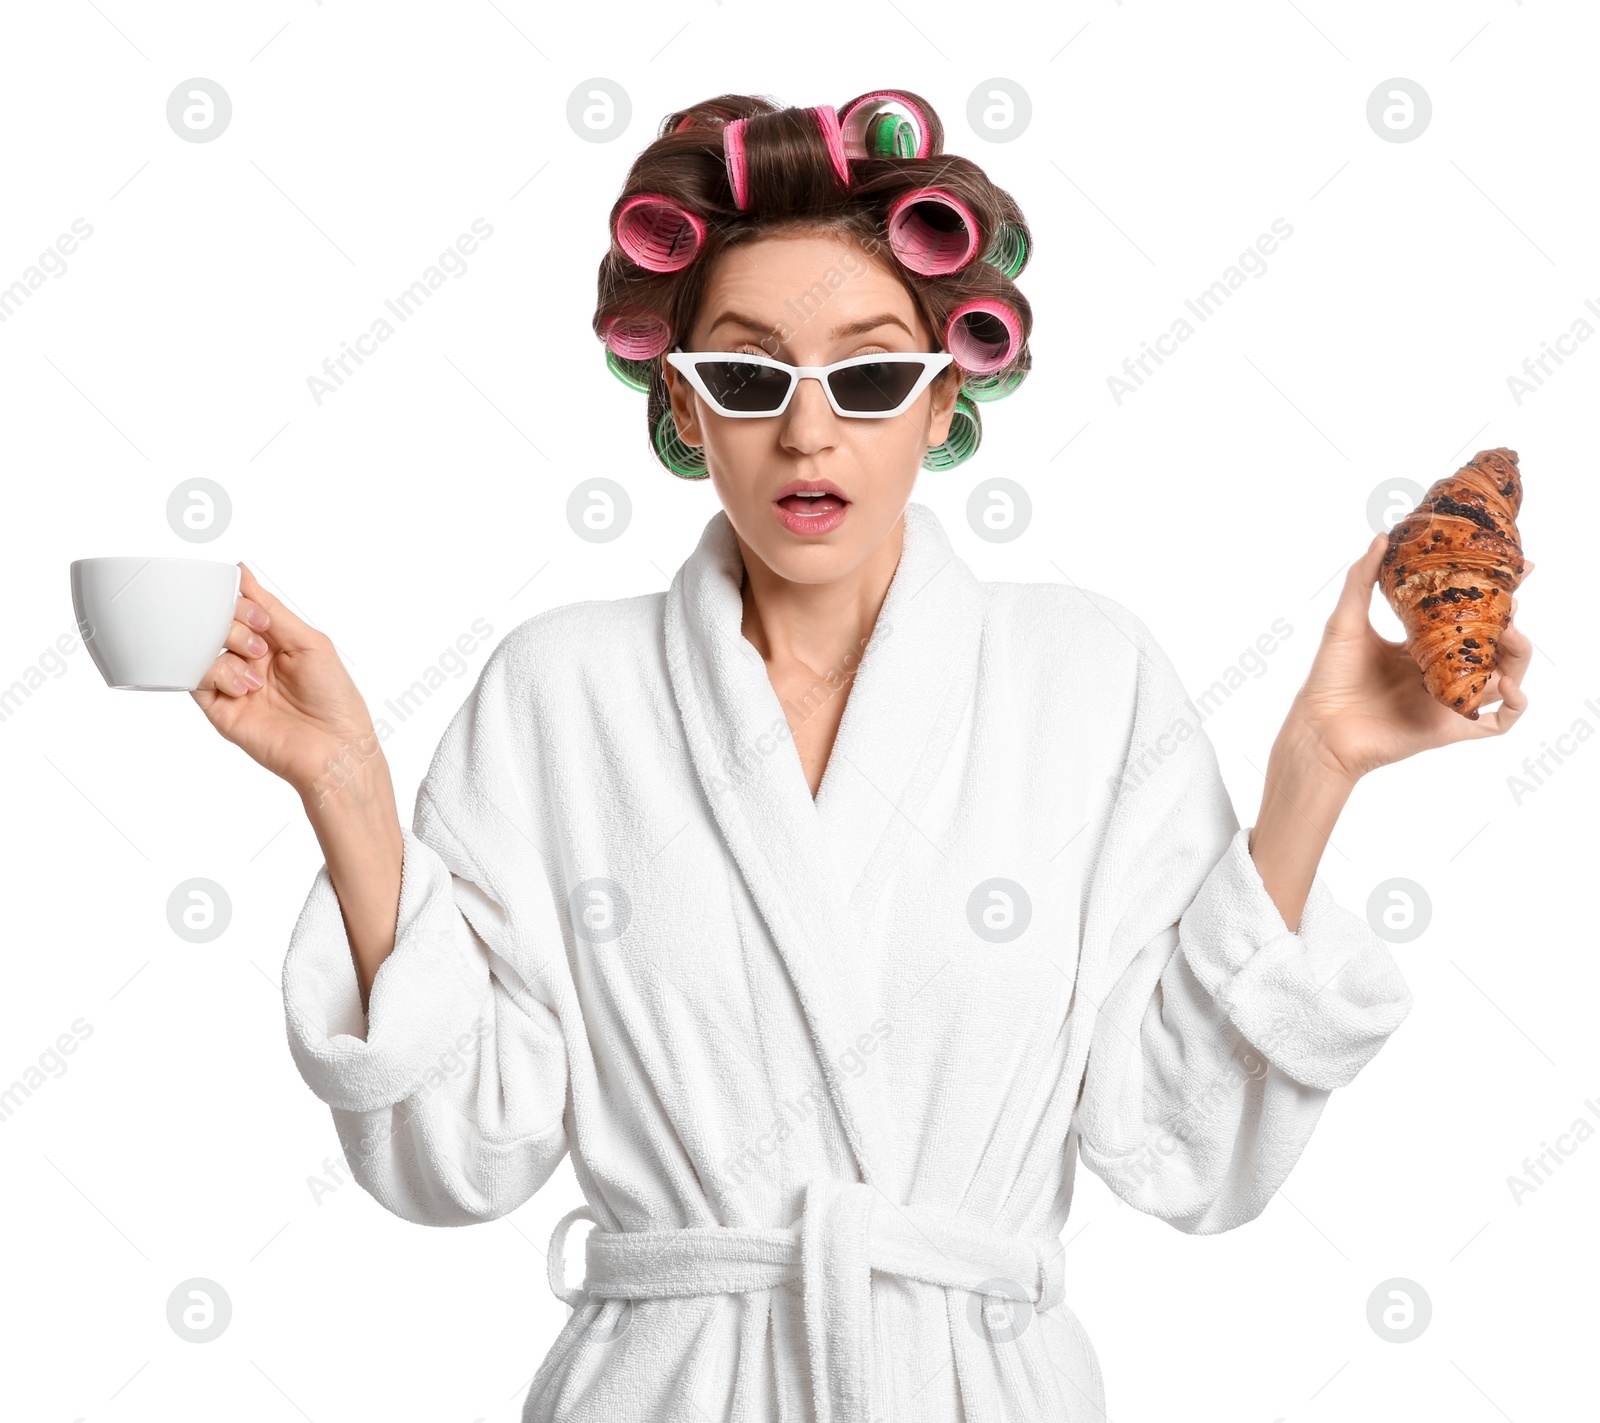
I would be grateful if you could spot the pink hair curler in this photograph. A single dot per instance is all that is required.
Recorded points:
(659, 233)
(984, 335)
(932, 233)
(638, 337)
(828, 122)
(733, 156)
(857, 124)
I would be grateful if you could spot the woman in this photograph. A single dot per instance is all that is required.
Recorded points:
(830, 905)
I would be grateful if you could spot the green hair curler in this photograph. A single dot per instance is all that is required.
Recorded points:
(966, 432)
(1009, 251)
(995, 386)
(636, 375)
(685, 461)
(890, 135)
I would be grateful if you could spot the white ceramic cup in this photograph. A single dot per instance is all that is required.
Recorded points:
(154, 624)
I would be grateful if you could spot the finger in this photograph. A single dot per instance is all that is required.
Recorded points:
(251, 613)
(287, 630)
(1350, 613)
(1516, 650)
(1513, 702)
(231, 675)
(244, 641)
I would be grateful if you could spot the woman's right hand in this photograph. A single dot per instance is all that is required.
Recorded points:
(282, 695)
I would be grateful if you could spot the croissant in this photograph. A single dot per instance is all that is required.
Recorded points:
(1449, 572)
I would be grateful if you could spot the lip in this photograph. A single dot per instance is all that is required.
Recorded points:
(810, 525)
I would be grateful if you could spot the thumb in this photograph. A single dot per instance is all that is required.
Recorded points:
(1350, 613)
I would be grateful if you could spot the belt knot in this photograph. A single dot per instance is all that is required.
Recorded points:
(846, 1230)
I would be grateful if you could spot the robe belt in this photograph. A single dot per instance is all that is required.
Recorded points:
(846, 1231)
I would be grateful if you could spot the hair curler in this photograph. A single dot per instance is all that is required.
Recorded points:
(984, 336)
(931, 232)
(994, 386)
(966, 433)
(828, 122)
(637, 336)
(658, 233)
(1008, 253)
(871, 131)
(685, 461)
(636, 375)
(733, 156)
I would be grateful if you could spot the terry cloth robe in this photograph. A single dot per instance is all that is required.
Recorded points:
(825, 1068)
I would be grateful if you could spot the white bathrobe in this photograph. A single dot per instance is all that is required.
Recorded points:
(825, 1068)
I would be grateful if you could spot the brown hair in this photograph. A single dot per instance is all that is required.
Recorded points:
(739, 167)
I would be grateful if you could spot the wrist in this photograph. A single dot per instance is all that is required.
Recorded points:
(1301, 755)
(354, 776)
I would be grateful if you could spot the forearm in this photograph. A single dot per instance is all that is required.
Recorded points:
(358, 827)
(1300, 804)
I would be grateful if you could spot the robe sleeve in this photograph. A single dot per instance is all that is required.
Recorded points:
(449, 1099)
(1218, 1034)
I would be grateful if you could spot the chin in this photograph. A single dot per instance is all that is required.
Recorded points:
(826, 557)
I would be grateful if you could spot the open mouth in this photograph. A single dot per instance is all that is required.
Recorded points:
(812, 505)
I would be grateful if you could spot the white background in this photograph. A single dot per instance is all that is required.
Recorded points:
(1230, 490)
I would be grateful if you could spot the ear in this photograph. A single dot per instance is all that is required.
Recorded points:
(946, 386)
(685, 409)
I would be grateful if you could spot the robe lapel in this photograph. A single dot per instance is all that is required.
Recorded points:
(802, 859)
(900, 720)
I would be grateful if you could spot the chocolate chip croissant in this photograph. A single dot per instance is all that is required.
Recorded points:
(1449, 572)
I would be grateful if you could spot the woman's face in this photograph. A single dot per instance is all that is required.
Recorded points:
(810, 301)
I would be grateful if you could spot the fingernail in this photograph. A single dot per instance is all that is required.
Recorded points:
(254, 645)
(250, 676)
(256, 617)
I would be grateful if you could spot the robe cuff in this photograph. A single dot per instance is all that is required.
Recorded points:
(428, 992)
(1317, 1003)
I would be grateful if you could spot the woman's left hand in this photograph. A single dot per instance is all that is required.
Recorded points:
(1363, 703)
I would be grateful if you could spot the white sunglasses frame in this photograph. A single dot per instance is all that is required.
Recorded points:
(683, 362)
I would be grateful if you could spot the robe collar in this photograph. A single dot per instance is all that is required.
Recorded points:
(814, 868)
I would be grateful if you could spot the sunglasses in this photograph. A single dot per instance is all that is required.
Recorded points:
(743, 386)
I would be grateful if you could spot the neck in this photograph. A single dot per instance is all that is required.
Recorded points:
(819, 625)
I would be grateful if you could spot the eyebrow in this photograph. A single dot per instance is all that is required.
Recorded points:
(851, 328)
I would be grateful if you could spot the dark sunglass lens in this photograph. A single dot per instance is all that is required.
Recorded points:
(743, 385)
(875, 385)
